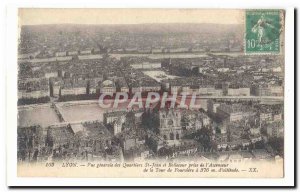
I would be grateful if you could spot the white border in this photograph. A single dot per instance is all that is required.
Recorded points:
(11, 97)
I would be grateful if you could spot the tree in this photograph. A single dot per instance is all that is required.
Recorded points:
(277, 144)
(51, 88)
(150, 120)
(88, 87)
(259, 145)
(130, 120)
(164, 152)
(204, 137)
(25, 70)
(184, 122)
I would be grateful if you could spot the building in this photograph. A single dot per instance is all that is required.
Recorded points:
(170, 124)
(150, 86)
(110, 117)
(72, 53)
(275, 129)
(277, 117)
(242, 91)
(95, 135)
(194, 120)
(212, 106)
(121, 85)
(235, 90)
(58, 135)
(265, 116)
(209, 90)
(261, 154)
(186, 148)
(146, 65)
(61, 54)
(114, 120)
(85, 52)
(135, 88)
(30, 139)
(33, 88)
(277, 69)
(175, 89)
(266, 90)
(71, 87)
(235, 112)
(55, 85)
(51, 74)
(223, 69)
(118, 125)
(108, 87)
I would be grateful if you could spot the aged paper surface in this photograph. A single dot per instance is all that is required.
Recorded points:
(151, 93)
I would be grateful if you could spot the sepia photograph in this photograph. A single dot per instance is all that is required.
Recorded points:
(150, 93)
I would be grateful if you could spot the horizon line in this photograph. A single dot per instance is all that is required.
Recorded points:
(127, 24)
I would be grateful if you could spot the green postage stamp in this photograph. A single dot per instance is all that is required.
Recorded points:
(263, 31)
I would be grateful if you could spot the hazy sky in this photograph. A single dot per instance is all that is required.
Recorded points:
(35, 16)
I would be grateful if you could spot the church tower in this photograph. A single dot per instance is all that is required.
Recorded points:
(170, 124)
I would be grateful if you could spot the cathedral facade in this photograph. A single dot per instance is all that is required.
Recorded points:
(170, 124)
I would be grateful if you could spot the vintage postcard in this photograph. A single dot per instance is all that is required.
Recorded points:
(151, 93)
